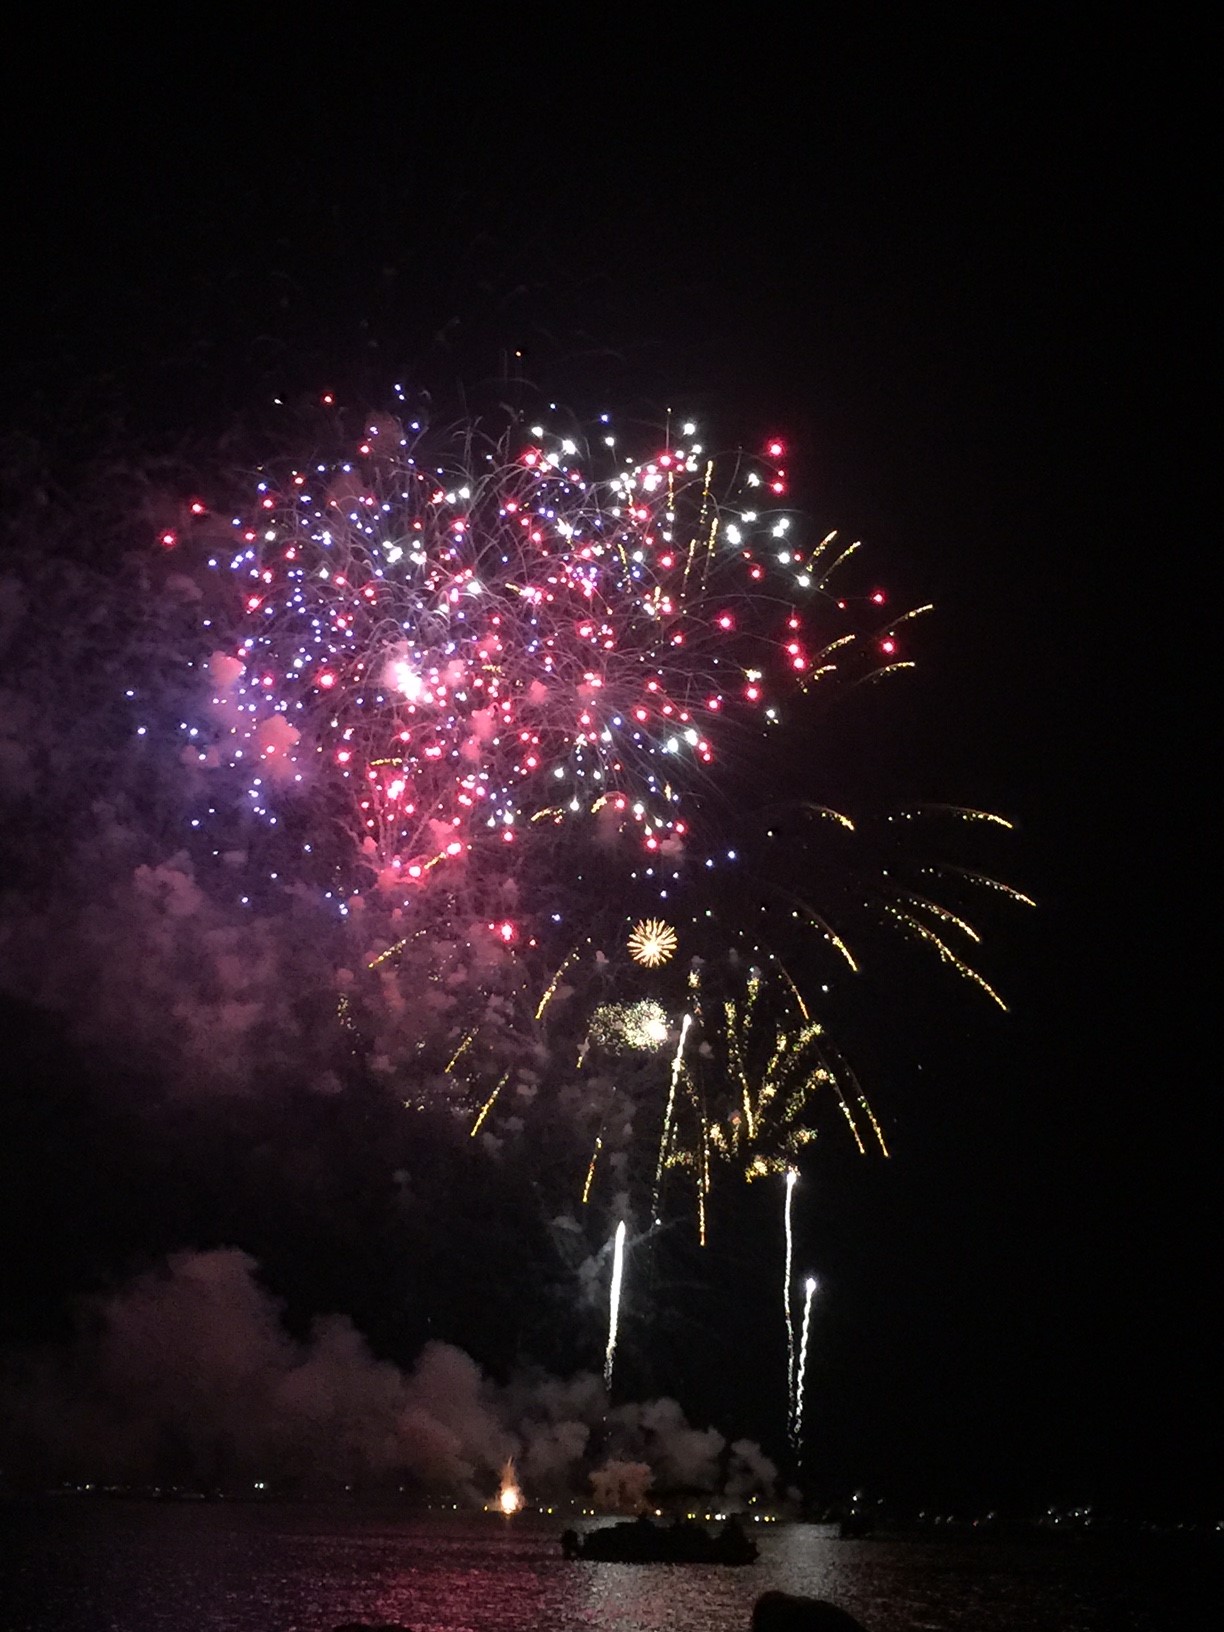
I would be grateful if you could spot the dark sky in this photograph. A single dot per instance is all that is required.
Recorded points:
(954, 265)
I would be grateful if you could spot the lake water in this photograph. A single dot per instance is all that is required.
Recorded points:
(102, 1566)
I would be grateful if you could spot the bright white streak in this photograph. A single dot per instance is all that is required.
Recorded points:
(791, 1177)
(618, 1270)
(809, 1287)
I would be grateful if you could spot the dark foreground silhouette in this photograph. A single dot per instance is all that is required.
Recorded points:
(780, 1612)
(641, 1542)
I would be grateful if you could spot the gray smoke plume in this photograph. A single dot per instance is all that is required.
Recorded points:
(187, 1375)
(622, 1487)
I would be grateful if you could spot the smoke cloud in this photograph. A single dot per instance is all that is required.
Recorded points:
(187, 1375)
(622, 1487)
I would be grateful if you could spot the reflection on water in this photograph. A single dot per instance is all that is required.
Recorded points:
(96, 1566)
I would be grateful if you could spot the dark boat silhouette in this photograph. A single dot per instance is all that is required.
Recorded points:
(641, 1542)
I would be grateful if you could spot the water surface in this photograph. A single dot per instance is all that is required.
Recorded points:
(109, 1566)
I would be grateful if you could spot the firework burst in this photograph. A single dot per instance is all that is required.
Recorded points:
(482, 693)
(439, 645)
(652, 943)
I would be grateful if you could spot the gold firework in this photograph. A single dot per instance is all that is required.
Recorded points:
(652, 942)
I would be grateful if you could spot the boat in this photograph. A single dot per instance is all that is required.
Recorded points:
(640, 1541)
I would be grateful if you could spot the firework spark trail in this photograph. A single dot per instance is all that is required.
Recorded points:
(488, 1104)
(944, 914)
(466, 1043)
(794, 990)
(756, 1077)
(668, 1116)
(984, 879)
(703, 1178)
(550, 989)
(965, 813)
(945, 952)
(809, 1287)
(871, 1117)
(614, 1298)
(791, 1178)
(590, 1178)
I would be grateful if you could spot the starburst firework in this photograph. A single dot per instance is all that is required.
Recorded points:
(652, 943)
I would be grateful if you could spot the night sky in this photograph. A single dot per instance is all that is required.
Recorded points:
(950, 266)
